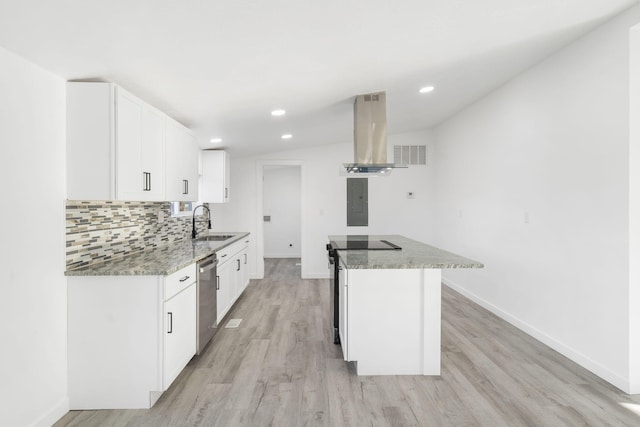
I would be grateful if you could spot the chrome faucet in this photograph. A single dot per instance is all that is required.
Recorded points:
(194, 233)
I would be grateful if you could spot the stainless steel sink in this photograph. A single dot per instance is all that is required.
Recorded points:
(215, 237)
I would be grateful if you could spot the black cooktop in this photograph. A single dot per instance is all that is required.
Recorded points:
(367, 245)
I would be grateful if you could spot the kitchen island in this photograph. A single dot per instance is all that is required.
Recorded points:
(389, 302)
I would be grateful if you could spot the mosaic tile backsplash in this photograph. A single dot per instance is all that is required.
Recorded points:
(100, 231)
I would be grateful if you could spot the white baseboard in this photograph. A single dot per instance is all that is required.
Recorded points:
(56, 412)
(282, 256)
(315, 276)
(579, 358)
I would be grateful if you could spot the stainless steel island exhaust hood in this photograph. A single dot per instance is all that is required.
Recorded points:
(370, 136)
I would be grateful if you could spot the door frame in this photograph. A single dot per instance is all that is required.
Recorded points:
(260, 164)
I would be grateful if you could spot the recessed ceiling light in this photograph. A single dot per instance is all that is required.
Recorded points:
(215, 140)
(427, 89)
(278, 112)
(287, 136)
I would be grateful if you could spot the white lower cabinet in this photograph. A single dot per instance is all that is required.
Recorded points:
(179, 332)
(233, 275)
(244, 259)
(399, 303)
(128, 337)
(226, 288)
(343, 321)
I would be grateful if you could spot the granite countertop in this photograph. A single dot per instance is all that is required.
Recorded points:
(412, 255)
(159, 261)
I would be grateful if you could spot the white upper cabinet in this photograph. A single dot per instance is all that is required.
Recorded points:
(115, 145)
(120, 148)
(91, 168)
(139, 150)
(182, 163)
(214, 183)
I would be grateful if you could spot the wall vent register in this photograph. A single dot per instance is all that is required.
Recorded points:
(406, 155)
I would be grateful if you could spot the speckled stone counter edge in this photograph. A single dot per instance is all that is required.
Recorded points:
(413, 255)
(160, 261)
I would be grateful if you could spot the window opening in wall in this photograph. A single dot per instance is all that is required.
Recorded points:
(182, 208)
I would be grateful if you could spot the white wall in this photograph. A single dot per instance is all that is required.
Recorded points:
(325, 190)
(533, 181)
(282, 202)
(33, 372)
(634, 212)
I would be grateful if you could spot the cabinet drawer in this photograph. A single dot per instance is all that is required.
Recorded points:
(175, 282)
(227, 253)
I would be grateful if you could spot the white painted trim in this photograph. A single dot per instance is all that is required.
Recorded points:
(315, 275)
(577, 357)
(282, 255)
(260, 164)
(54, 413)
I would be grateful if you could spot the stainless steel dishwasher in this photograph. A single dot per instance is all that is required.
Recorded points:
(207, 301)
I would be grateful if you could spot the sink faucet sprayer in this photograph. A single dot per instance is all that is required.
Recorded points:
(194, 233)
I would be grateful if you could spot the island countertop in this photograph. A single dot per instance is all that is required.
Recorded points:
(159, 261)
(412, 255)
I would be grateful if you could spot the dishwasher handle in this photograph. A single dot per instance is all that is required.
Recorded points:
(208, 266)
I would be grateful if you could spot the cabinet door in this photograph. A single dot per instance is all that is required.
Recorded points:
(90, 141)
(129, 178)
(344, 312)
(191, 173)
(245, 267)
(237, 279)
(179, 333)
(152, 155)
(181, 163)
(139, 150)
(226, 274)
(215, 177)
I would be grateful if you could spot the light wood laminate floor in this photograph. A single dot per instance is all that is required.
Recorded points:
(281, 368)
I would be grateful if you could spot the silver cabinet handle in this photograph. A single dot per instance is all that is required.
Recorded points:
(170, 314)
(146, 181)
(217, 283)
(245, 258)
(184, 278)
(238, 265)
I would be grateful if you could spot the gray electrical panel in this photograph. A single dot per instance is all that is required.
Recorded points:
(357, 202)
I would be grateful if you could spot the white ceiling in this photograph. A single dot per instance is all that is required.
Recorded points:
(220, 67)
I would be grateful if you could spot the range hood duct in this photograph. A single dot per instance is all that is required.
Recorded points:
(370, 136)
